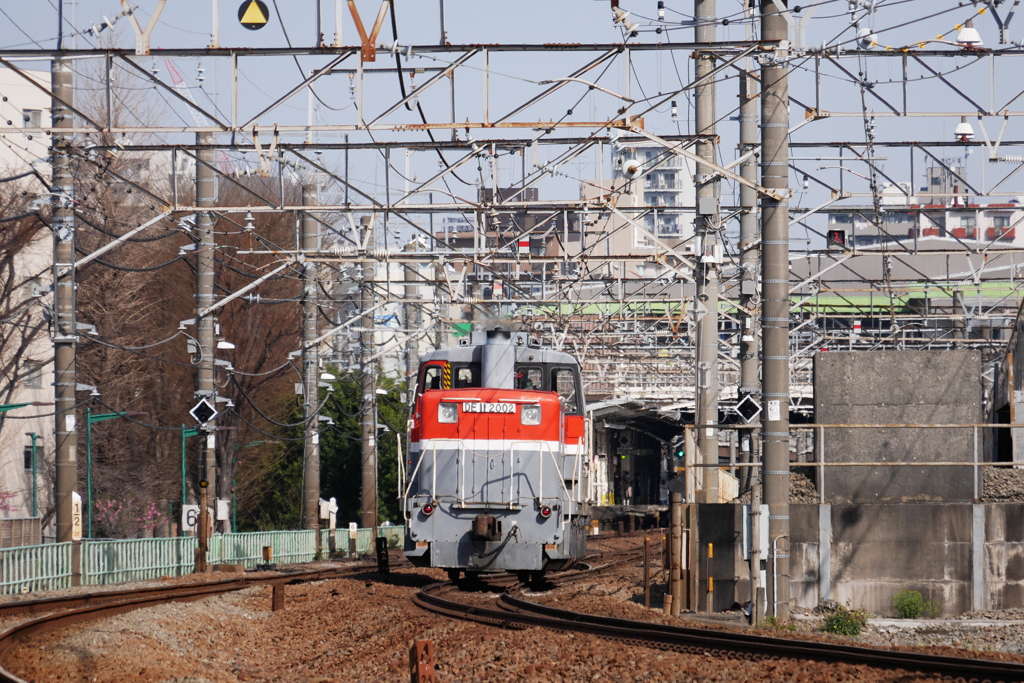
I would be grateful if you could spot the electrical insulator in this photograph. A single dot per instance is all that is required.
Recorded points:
(661, 10)
(675, 111)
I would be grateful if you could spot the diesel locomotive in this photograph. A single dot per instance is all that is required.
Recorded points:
(498, 473)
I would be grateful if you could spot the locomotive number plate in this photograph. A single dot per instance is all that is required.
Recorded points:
(507, 408)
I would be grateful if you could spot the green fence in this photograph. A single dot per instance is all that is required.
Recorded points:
(111, 561)
(48, 567)
(246, 549)
(35, 568)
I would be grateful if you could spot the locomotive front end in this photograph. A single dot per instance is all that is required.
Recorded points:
(496, 474)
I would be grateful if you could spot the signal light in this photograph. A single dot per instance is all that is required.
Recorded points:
(545, 511)
(428, 508)
(680, 452)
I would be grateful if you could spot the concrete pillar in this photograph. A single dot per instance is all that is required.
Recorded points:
(978, 558)
(824, 552)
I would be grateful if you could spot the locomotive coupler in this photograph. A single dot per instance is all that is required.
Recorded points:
(486, 528)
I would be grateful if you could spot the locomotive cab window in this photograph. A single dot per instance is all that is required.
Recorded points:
(431, 378)
(466, 376)
(563, 381)
(529, 378)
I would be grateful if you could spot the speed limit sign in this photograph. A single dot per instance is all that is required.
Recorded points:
(189, 517)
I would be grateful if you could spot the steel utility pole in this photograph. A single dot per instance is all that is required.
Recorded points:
(206, 192)
(64, 337)
(749, 332)
(775, 293)
(707, 225)
(369, 417)
(310, 368)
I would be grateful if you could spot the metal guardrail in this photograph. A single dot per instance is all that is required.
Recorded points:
(247, 549)
(35, 567)
(49, 566)
(118, 561)
(820, 461)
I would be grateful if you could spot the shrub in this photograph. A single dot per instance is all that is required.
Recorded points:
(908, 604)
(911, 605)
(846, 622)
(772, 622)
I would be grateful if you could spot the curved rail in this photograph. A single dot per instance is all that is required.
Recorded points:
(73, 609)
(518, 613)
(90, 599)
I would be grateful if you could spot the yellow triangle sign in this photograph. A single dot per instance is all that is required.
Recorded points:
(252, 14)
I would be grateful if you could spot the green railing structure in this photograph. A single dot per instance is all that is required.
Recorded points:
(247, 549)
(35, 568)
(111, 561)
(48, 567)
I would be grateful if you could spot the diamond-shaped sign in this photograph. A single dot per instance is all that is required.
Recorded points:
(748, 408)
(203, 412)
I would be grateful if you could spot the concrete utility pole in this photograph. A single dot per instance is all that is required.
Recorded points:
(749, 333)
(775, 293)
(369, 417)
(707, 225)
(413, 319)
(64, 337)
(206, 191)
(310, 368)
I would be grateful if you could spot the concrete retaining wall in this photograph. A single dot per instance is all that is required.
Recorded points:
(961, 556)
(898, 387)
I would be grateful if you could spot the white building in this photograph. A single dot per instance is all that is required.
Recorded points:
(905, 219)
(24, 112)
(25, 472)
(665, 186)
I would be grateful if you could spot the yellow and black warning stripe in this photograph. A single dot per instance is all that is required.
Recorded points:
(446, 376)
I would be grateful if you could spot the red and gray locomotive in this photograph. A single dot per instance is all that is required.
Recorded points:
(498, 467)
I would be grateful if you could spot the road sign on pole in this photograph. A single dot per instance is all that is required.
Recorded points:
(253, 15)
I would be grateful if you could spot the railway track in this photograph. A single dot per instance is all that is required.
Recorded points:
(516, 612)
(513, 611)
(75, 609)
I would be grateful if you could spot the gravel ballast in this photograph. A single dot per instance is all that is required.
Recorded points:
(360, 629)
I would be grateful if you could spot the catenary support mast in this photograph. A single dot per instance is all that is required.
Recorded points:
(206, 193)
(775, 293)
(310, 367)
(707, 224)
(369, 416)
(64, 336)
(749, 329)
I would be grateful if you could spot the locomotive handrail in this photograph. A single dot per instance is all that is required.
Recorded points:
(561, 480)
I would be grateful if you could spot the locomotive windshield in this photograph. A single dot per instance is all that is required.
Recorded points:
(536, 377)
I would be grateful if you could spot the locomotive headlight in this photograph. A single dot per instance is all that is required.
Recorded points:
(530, 414)
(448, 413)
